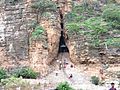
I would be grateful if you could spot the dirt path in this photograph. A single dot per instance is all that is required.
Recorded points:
(80, 79)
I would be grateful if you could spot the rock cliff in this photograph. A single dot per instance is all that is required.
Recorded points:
(16, 49)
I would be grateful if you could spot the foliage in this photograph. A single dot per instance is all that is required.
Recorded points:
(3, 74)
(112, 42)
(78, 9)
(81, 21)
(95, 80)
(111, 14)
(64, 86)
(13, 81)
(47, 15)
(84, 7)
(42, 6)
(96, 28)
(95, 25)
(74, 18)
(46, 5)
(79, 13)
(37, 33)
(70, 17)
(73, 27)
(25, 72)
(33, 24)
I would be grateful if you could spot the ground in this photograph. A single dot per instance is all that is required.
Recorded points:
(81, 76)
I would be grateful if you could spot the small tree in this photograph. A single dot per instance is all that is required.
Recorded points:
(42, 6)
(64, 86)
(95, 80)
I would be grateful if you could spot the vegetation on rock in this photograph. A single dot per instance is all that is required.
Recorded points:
(43, 6)
(25, 72)
(13, 82)
(64, 86)
(111, 14)
(37, 33)
(3, 74)
(94, 24)
(95, 80)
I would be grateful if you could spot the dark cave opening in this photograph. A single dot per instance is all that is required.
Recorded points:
(62, 42)
(62, 45)
(62, 25)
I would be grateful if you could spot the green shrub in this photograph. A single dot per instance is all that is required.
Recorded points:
(37, 33)
(3, 74)
(97, 28)
(64, 86)
(77, 14)
(69, 17)
(114, 42)
(95, 80)
(25, 72)
(43, 6)
(73, 27)
(111, 14)
(13, 82)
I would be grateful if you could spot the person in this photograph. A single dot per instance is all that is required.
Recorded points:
(102, 77)
(56, 74)
(112, 88)
(65, 63)
(71, 66)
(60, 65)
(70, 76)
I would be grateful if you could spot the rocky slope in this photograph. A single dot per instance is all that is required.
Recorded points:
(18, 51)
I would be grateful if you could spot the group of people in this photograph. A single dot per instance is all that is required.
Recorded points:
(64, 66)
(71, 76)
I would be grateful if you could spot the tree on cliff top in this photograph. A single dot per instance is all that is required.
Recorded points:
(42, 6)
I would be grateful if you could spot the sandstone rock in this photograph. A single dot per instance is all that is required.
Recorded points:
(15, 22)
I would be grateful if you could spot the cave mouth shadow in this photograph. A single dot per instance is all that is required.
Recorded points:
(62, 44)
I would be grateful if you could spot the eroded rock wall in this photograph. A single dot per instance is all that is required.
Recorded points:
(16, 49)
(14, 26)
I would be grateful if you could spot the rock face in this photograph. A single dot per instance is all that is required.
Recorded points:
(44, 52)
(14, 27)
(15, 21)
(16, 35)
(2, 26)
(17, 50)
(79, 51)
(53, 35)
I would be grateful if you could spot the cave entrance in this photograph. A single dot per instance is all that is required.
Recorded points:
(62, 44)
(63, 49)
(62, 52)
